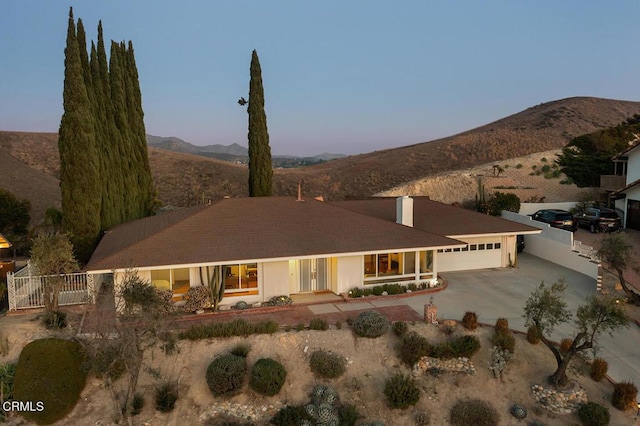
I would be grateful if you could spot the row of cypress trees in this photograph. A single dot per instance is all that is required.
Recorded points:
(105, 178)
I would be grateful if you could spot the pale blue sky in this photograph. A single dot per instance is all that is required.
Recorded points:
(339, 76)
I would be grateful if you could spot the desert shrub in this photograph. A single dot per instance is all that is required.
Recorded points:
(55, 319)
(279, 301)
(241, 350)
(443, 350)
(533, 335)
(599, 368)
(338, 325)
(504, 340)
(291, 415)
(267, 376)
(138, 404)
(370, 324)
(399, 328)
(412, 347)
(7, 375)
(593, 414)
(624, 395)
(107, 362)
(348, 415)
(422, 418)
(166, 396)
(51, 371)
(470, 320)
(300, 327)
(356, 292)
(226, 373)
(318, 324)
(465, 346)
(502, 325)
(237, 327)
(473, 412)
(327, 364)
(565, 345)
(519, 166)
(401, 391)
(412, 286)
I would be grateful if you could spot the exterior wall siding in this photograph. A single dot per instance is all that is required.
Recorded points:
(350, 273)
(275, 279)
(633, 166)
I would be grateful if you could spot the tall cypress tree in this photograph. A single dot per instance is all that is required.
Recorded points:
(107, 137)
(79, 178)
(260, 167)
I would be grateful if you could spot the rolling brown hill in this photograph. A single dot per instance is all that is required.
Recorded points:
(184, 179)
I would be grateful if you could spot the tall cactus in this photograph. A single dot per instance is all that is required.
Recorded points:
(215, 282)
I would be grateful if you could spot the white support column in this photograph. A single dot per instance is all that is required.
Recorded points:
(11, 291)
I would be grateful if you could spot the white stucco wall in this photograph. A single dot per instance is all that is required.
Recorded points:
(350, 273)
(554, 245)
(275, 279)
(633, 165)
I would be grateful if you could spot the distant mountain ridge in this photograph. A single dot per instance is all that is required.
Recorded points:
(184, 179)
(233, 152)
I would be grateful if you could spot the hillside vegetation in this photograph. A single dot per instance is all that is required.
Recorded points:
(184, 179)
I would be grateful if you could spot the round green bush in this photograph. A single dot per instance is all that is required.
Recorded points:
(226, 374)
(401, 391)
(465, 346)
(504, 340)
(50, 370)
(327, 364)
(593, 414)
(370, 324)
(473, 412)
(267, 376)
(291, 415)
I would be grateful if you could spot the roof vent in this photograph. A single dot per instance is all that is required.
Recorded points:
(404, 210)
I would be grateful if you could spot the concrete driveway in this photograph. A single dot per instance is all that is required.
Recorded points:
(503, 292)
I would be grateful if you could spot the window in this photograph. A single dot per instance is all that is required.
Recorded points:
(240, 277)
(394, 264)
(473, 247)
(480, 246)
(426, 261)
(496, 246)
(176, 280)
(489, 246)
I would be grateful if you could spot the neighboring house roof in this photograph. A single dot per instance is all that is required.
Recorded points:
(251, 229)
(626, 151)
(4, 243)
(439, 218)
(626, 188)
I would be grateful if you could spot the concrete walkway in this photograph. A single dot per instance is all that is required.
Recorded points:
(501, 293)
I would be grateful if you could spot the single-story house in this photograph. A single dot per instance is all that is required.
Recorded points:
(271, 246)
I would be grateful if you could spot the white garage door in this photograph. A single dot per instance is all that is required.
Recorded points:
(474, 256)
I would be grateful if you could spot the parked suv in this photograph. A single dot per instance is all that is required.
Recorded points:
(599, 219)
(561, 219)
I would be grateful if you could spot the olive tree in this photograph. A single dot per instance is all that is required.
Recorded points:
(52, 255)
(546, 309)
(618, 253)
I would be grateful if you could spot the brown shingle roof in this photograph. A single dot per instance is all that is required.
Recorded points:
(438, 218)
(627, 187)
(253, 228)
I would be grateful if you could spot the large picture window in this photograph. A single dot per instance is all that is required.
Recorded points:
(382, 265)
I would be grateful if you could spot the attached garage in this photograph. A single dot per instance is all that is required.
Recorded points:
(479, 253)
(633, 214)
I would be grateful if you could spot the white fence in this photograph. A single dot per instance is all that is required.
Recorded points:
(27, 292)
(557, 246)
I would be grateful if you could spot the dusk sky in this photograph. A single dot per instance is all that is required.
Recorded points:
(339, 76)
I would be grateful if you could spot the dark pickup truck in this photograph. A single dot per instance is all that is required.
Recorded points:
(599, 219)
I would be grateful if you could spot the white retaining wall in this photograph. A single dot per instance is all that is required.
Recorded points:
(554, 245)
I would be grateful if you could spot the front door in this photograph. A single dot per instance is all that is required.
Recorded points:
(313, 274)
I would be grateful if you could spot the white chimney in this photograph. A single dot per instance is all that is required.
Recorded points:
(404, 210)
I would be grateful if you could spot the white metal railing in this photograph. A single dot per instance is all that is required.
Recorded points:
(26, 292)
